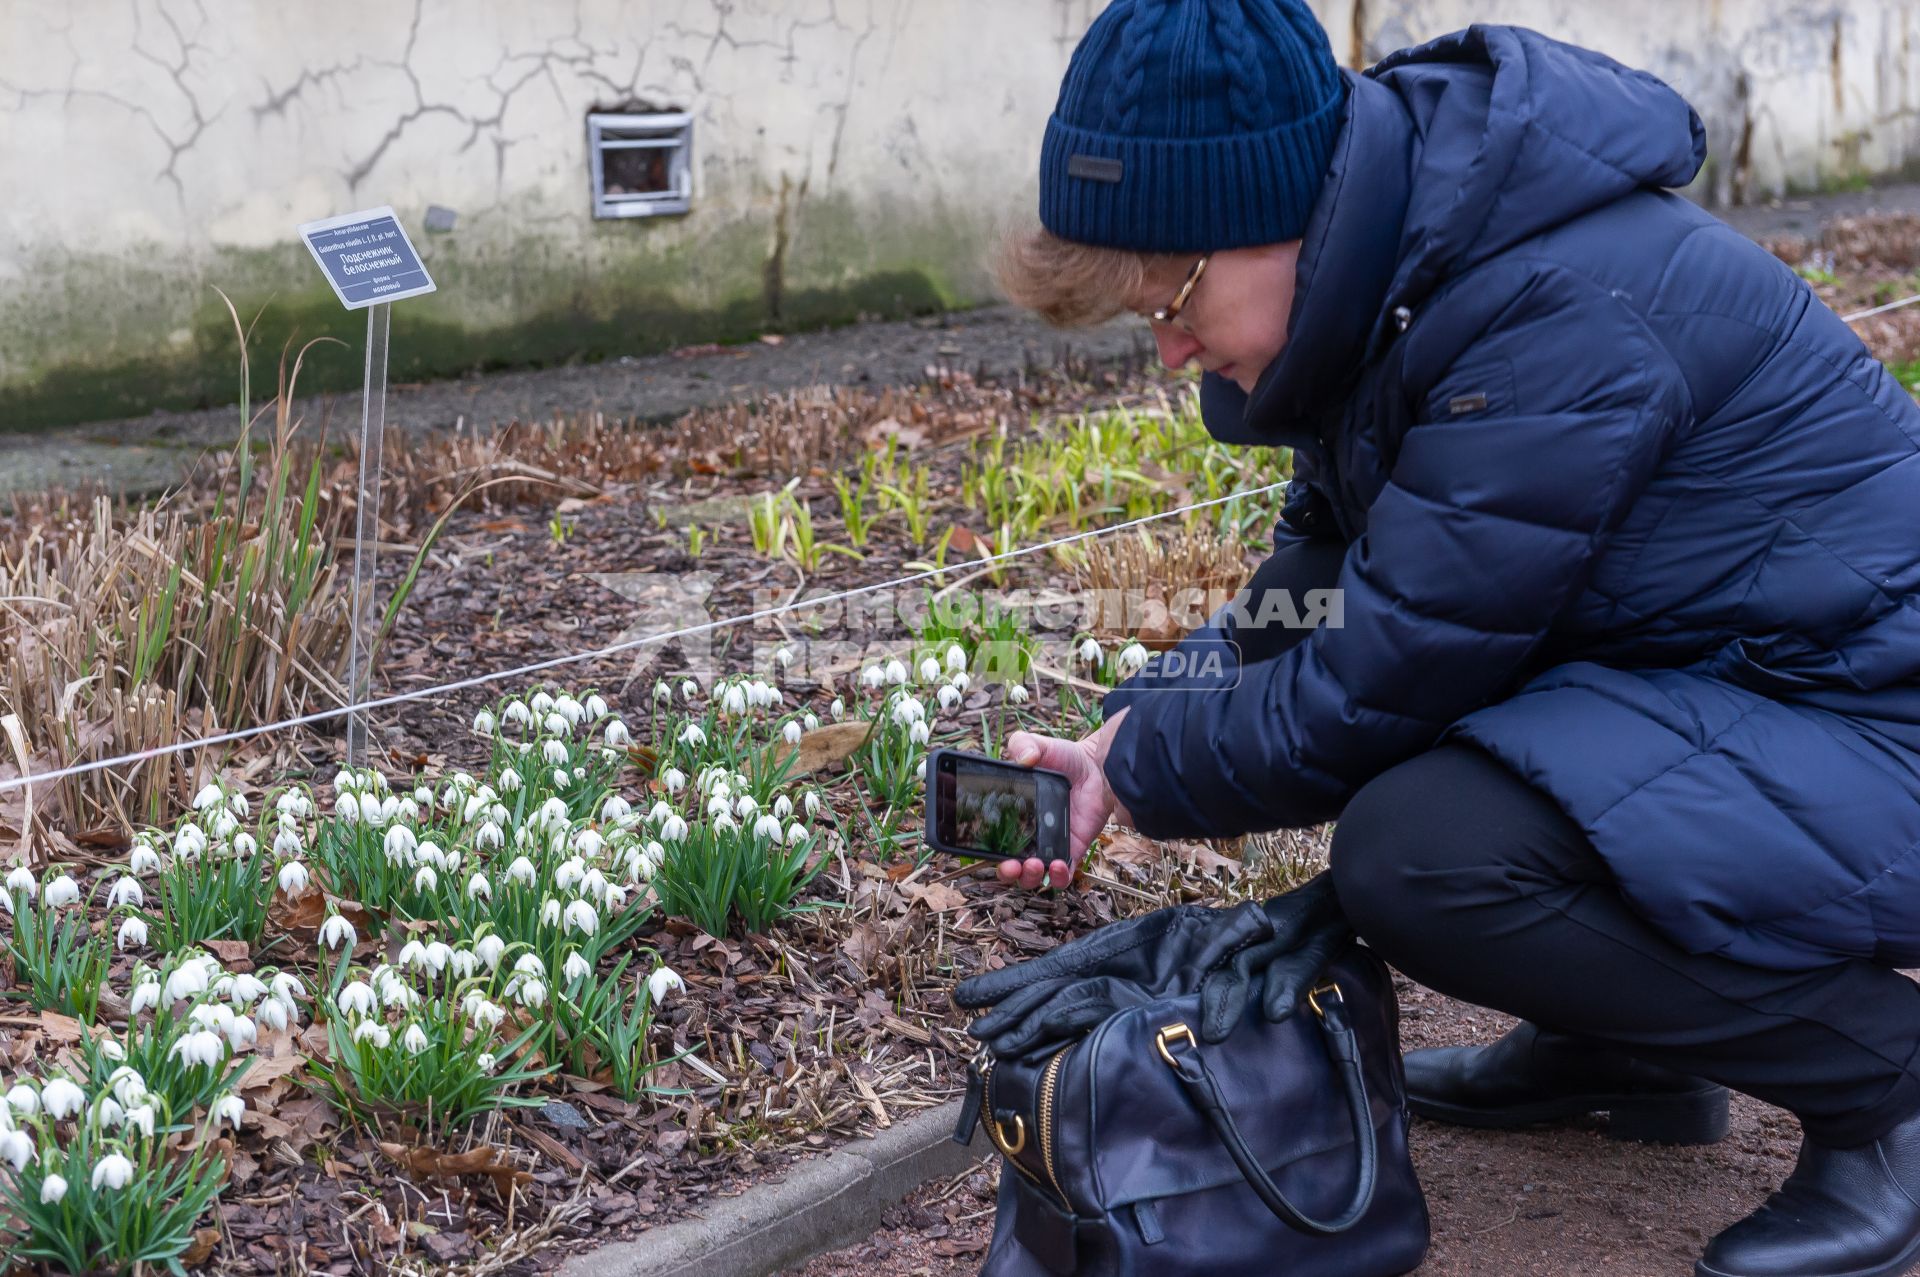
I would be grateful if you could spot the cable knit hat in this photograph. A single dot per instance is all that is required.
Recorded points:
(1191, 126)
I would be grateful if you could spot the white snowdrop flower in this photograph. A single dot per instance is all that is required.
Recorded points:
(614, 809)
(673, 829)
(287, 844)
(413, 954)
(202, 1046)
(346, 809)
(553, 751)
(61, 1099)
(581, 917)
(209, 796)
(146, 994)
(139, 1118)
(186, 980)
(550, 912)
(873, 676)
(132, 931)
(490, 947)
(896, 671)
(808, 721)
(674, 779)
(540, 702)
(1090, 651)
(285, 987)
(489, 837)
(569, 874)
(241, 1032)
(557, 725)
(614, 898)
(1132, 657)
(594, 885)
(414, 1039)
(222, 825)
(920, 771)
(837, 710)
(521, 871)
(562, 778)
(529, 964)
(907, 710)
(783, 656)
(918, 734)
(484, 723)
(812, 802)
(948, 696)
(654, 853)
(463, 963)
(768, 826)
(956, 657)
(929, 670)
(733, 701)
(554, 815)
(127, 1086)
(662, 691)
(961, 681)
(113, 1171)
(689, 688)
(478, 888)
(571, 710)
(510, 782)
(23, 1099)
(725, 822)
(589, 842)
(372, 810)
(796, 834)
(517, 712)
(1017, 693)
(143, 859)
(230, 1109)
(211, 1016)
(663, 981)
(52, 1189)
(532, 993)
(439, 954)
(782, 806)
(617, 734)
(660, 810)
(484, 1061)
(244, 845)
(288, 803)
(190, 842)
(126, 891)
(245, 989)
(744, 806)
(358, 998)
(336, 932)
(596, 706)
(425, 879)
(373, 1031)
(273, 1014)
(791, 733)
(237, 804)
(576, 967)
(112, 1050)
(62, 891)
(293, 877)
(108, 1111)
(16, 1147)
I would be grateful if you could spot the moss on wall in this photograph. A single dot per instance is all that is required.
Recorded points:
(124, 337)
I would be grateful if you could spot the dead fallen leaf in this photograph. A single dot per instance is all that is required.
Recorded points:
(233, 954)
(823, 747)
(204, 1240)
(483, 1160)
(938, 897)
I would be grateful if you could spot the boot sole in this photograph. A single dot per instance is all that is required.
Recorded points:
(1903, 1264)
(1692, 1117)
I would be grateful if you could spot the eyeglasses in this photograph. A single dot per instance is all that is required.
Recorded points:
(1171, 311)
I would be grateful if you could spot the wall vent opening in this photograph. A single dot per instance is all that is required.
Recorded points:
(642, 163)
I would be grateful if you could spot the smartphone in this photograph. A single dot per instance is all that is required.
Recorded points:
(980, 806)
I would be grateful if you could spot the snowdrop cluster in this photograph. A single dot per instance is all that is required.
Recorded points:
(56, 890)
(556, 733)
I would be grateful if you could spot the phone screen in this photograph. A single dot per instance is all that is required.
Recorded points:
(989, 808)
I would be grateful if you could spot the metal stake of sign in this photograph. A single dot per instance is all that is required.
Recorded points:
(370, 263)
(366, 529)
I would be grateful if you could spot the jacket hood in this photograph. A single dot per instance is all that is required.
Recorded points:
(1448, 154)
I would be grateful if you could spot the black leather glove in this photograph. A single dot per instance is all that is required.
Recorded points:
(1307, 927)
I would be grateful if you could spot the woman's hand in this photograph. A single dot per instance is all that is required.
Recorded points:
(1091, 804)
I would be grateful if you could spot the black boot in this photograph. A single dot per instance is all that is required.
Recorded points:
(1535, 1075)
(1844, 1212)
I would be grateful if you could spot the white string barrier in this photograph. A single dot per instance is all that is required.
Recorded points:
(480, 680)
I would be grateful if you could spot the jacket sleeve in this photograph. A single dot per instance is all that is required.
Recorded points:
(1550, 406)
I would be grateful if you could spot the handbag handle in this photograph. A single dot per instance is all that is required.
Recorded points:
(1192, 1071)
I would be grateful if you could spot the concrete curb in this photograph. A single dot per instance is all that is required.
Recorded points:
(821, 1204)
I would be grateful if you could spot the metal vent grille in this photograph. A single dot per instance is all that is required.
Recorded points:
(642, 164)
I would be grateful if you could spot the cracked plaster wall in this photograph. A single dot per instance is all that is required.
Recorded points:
(851, 156)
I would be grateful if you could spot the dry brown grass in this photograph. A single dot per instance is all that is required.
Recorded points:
(1153, 581)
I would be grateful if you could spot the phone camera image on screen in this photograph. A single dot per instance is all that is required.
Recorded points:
(990, 808)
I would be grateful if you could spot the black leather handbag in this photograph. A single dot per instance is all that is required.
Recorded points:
(1196, 1091)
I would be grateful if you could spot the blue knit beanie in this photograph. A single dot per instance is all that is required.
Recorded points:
(1191, 126)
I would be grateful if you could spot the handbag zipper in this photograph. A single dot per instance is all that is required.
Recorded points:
(1048, 1081)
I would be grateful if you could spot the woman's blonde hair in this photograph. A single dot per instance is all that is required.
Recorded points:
(1068, 284)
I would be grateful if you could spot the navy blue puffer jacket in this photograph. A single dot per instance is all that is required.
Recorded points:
(1624, 504)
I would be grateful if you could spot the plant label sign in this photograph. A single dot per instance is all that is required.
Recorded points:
(367, 257)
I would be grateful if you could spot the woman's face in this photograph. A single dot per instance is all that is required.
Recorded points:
(1235, 319)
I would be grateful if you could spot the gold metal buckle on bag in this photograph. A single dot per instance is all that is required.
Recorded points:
(1313, 997)
(1000, 1141)
(1168, 1034)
